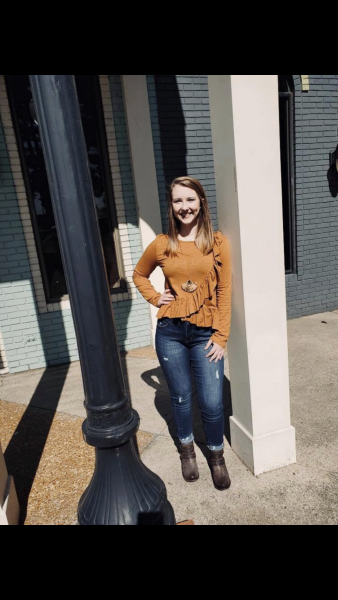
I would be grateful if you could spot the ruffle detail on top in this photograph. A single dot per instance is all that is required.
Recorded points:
(191, 303)
(207, 316)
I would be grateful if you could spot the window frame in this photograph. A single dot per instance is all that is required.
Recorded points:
(104, 153)
(289, 98)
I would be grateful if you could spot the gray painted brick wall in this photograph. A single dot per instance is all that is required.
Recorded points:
(180, 118)
(314, 286)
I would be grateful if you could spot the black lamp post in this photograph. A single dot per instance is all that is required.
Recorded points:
(123, 491)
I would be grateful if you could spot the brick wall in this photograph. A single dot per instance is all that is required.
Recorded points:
(314, 286)
(180, 118)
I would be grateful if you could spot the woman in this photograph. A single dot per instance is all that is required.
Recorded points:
(194, 319)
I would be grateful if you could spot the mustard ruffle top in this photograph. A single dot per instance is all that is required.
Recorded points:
(210, 304)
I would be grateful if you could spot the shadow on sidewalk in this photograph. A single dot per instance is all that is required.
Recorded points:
(25, 449)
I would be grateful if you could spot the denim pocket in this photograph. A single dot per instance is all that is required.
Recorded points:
(161, 323)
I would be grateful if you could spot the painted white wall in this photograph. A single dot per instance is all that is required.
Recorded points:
(144, 171)
(3, 359)
(245, 133)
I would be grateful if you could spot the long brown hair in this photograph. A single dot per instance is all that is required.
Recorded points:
(205, 235)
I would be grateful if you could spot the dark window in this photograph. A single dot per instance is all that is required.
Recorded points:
(37, 188)
(286, 127)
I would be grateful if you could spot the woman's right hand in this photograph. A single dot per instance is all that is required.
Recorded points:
(166, 298)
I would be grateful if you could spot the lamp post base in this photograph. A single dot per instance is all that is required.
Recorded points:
(123, 491)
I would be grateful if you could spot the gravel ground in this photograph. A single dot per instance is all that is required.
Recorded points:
(54, 473)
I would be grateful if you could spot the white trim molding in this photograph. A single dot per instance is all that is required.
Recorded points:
(141, 145)
(3, 359)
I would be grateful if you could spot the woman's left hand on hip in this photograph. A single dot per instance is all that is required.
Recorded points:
(216, 352)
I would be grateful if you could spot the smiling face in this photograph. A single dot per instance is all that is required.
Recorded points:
(186, 204)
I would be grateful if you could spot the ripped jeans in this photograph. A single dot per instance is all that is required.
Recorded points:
(180, 347)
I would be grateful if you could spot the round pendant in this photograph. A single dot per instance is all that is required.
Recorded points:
(189, 286)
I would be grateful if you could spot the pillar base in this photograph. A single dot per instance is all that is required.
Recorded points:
(265, 452)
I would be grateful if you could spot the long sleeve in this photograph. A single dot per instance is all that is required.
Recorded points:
(224, 288)
(145, 266)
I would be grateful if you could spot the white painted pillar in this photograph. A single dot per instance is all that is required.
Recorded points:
(141, 146)
(245, 133)
(9, 506)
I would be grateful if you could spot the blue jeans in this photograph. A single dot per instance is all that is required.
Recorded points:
(180, 347)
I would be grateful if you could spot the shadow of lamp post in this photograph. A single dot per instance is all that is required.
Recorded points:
(123, 491)
(334, 159)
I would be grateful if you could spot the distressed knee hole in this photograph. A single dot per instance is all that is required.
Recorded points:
(165, 358)
(181, 399)
(217, 374)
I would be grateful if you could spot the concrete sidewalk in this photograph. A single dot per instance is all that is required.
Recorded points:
(41, 413)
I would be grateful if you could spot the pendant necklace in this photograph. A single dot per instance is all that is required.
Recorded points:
(189, 286)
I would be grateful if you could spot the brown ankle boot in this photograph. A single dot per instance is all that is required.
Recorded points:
(188, 461)
(219, 471)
